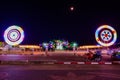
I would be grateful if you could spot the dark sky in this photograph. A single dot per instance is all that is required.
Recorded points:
(45, 20)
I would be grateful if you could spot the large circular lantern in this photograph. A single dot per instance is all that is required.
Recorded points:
(14, 35)
(106, 35)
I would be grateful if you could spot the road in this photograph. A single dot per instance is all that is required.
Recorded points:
(59, 72)
(51, 56)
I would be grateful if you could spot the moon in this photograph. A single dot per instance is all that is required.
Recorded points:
(71, 8)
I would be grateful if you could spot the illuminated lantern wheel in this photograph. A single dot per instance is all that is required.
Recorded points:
(106, 35)
(14, 35)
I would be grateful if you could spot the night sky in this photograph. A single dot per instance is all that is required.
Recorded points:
(45, 20)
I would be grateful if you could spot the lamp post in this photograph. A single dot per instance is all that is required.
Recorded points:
(74, 46)
(45, 45)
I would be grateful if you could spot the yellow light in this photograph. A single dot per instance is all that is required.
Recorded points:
(29, 46)
(89, 46)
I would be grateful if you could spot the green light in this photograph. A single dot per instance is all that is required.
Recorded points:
(74, 44)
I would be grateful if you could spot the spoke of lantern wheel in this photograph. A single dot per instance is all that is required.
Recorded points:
(102, 34)
(109, 35)
(105, 32)
(107, 38)
(103, 37)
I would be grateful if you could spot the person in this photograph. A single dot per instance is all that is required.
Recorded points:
(98, 52)
(109, 51)
(97, 56)
(89, 55)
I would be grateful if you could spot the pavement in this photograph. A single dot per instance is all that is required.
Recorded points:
(56, 67)
(59, 72)
(52, 58)
(57, 55)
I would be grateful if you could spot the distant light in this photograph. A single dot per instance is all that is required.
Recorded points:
(97, 45)
(45, 45)
(74, 44)
(90, 46)
(59, 45)
(29, 46)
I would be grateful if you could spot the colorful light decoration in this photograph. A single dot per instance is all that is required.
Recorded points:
(59, 45)
(45, 45)
(106, 35)
(14, 35)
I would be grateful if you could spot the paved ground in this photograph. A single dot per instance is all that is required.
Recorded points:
(58, 56)
(38, 57)
(59, 72)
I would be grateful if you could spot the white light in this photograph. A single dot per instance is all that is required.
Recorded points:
(71, 8)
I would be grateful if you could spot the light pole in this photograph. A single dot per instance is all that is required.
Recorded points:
(74, 46)
(45, 45)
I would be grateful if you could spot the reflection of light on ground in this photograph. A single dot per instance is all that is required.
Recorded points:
(72, 76)
(102, 74)
(90, 76)
(3, 75)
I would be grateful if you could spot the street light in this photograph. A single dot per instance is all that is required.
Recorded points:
(45, 45)
(74, 46)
